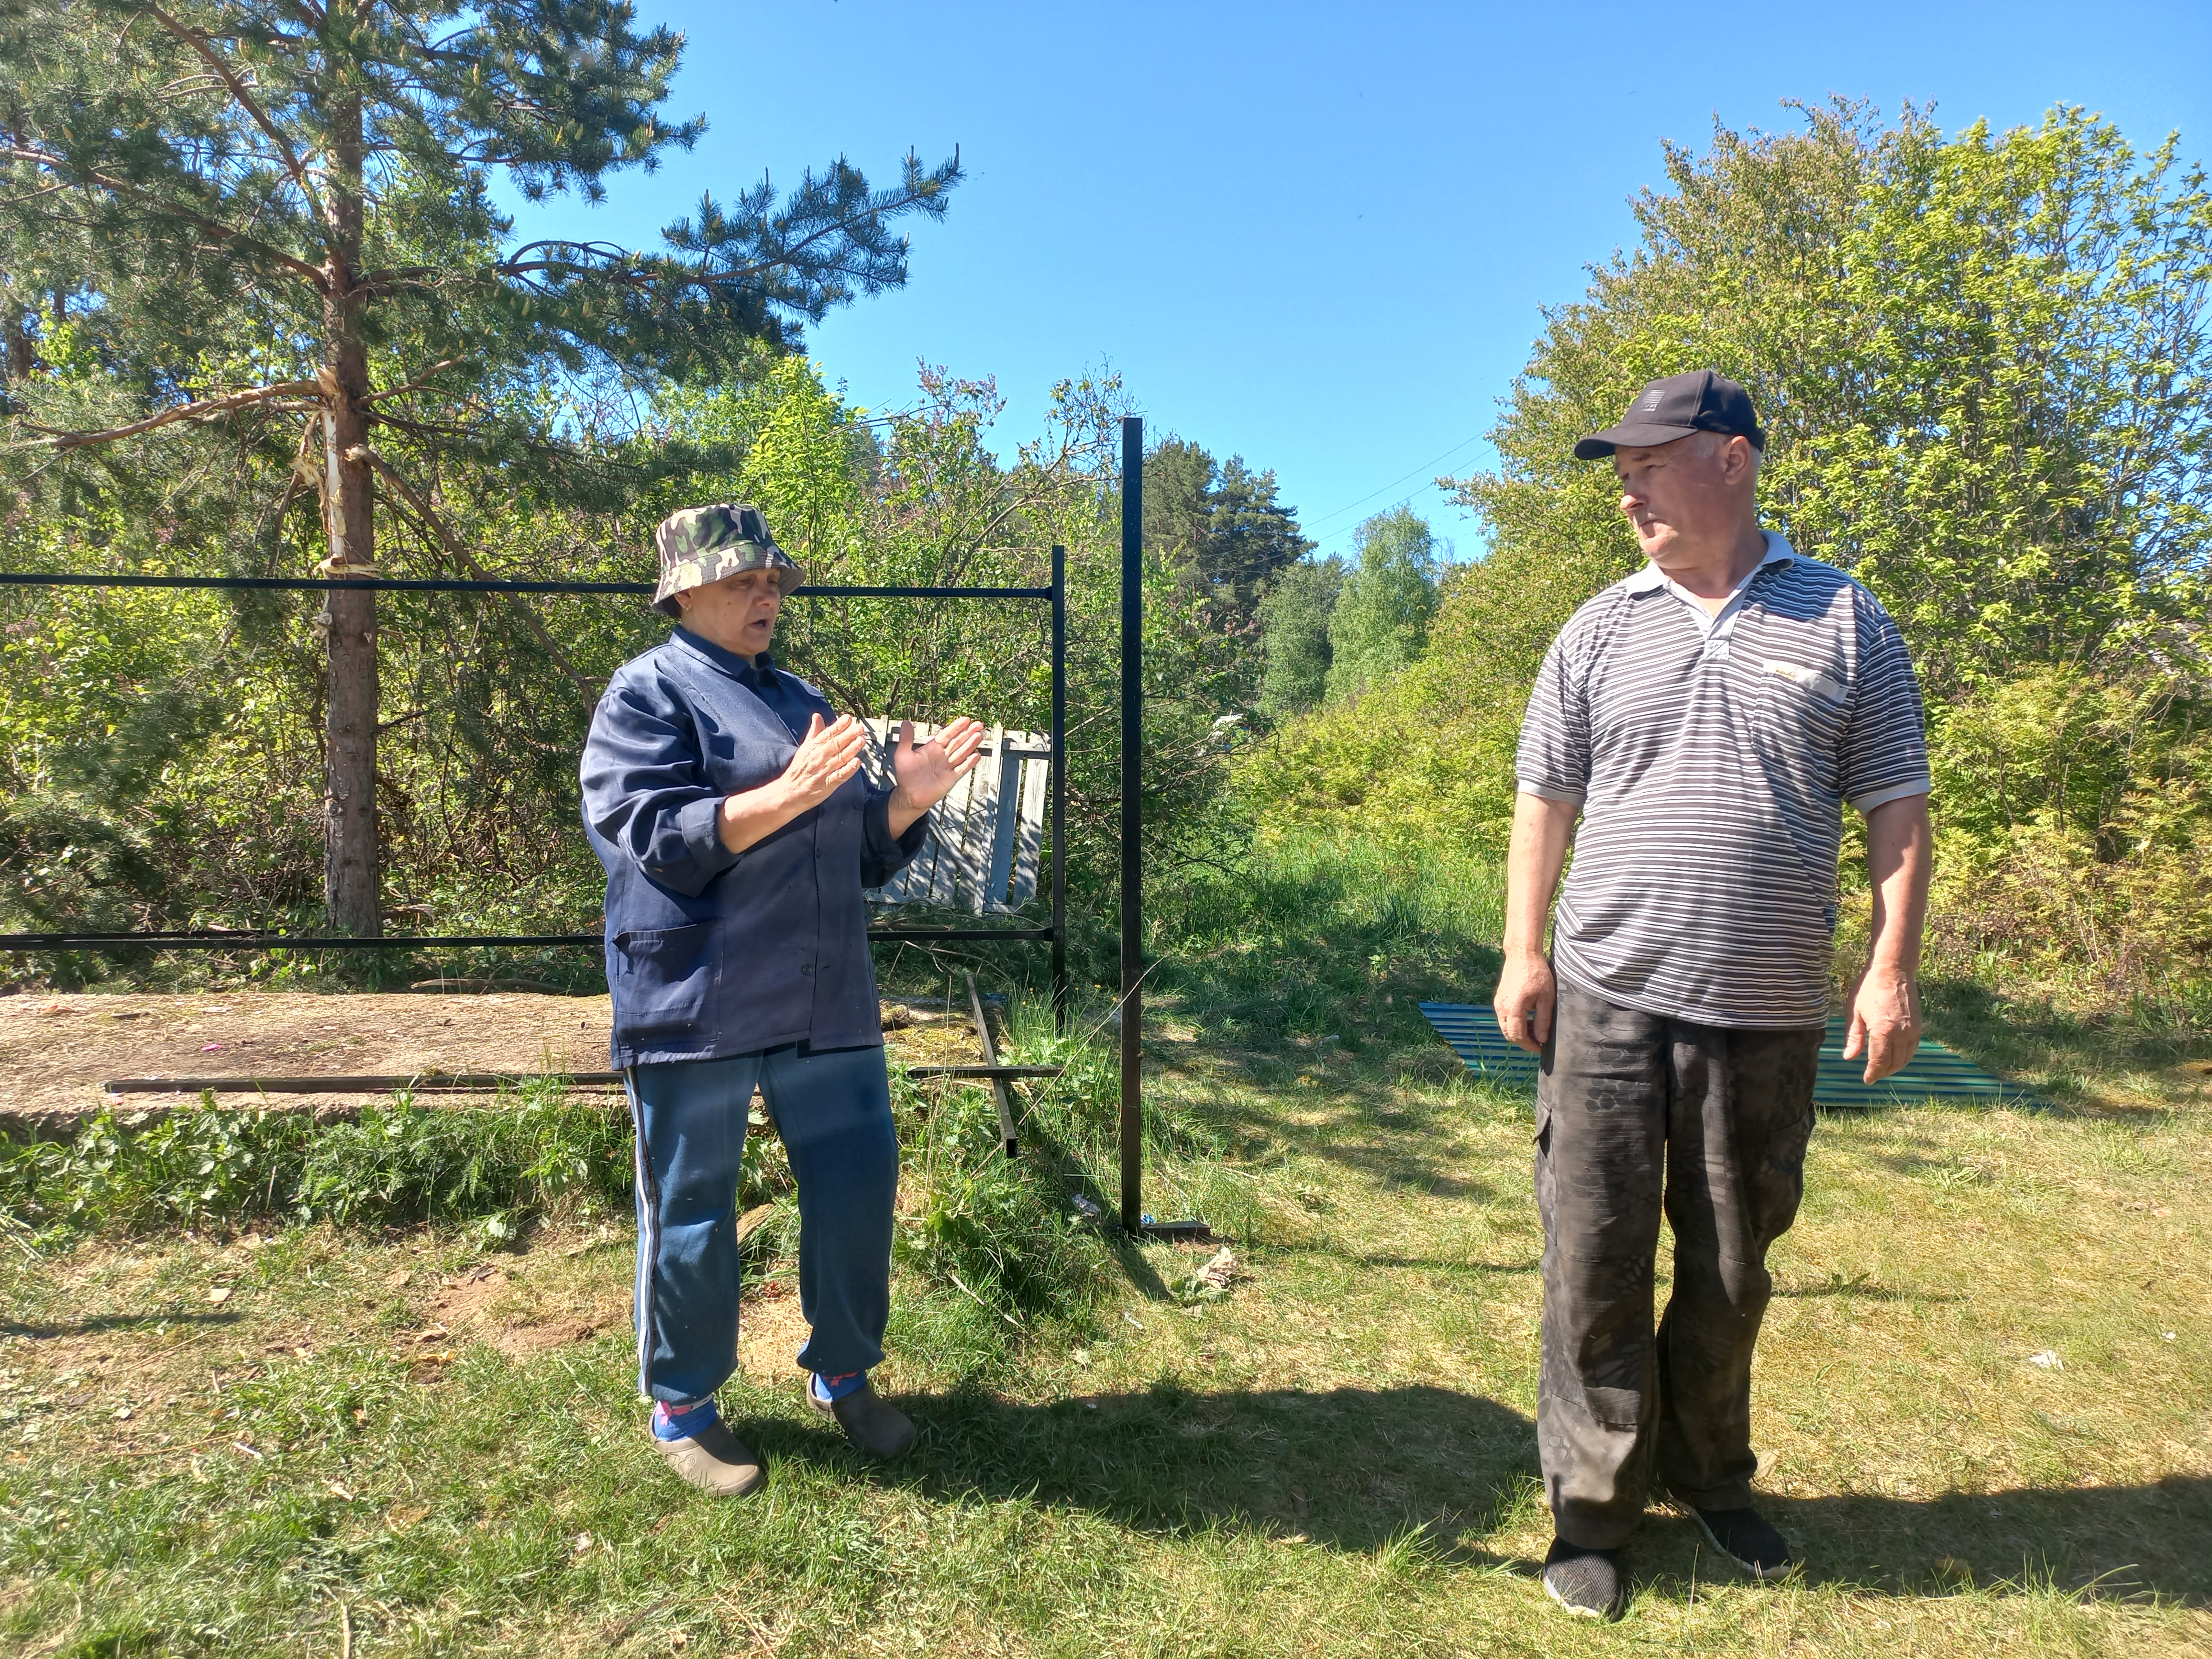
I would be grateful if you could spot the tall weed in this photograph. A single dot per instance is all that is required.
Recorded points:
(398, 1163)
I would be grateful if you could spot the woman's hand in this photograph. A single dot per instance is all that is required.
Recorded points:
(928, 771)
(828, 755)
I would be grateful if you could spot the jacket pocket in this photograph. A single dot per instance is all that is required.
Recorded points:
(664, 978)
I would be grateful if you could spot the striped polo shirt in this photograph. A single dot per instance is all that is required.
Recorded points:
(1712, 757)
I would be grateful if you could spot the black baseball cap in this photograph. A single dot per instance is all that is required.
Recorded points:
(1700, 401)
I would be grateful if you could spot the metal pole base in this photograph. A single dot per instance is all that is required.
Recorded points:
(1180, 1232)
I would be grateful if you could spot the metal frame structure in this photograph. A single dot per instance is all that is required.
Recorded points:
(218, 939)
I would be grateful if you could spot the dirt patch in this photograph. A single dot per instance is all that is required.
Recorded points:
(519, 1315)
(771, 1331)
(126, 1348)
(55, 1052)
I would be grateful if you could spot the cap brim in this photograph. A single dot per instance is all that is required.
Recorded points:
(1627, 435)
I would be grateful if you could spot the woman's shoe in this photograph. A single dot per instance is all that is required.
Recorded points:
(877, 1429)
(715, 1460)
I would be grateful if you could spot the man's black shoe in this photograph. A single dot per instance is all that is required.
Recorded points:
(1746, 1540)
(1586, 1583)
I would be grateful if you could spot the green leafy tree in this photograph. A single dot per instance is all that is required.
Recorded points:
(1381, 621)
(274, 227)
(2023, 470)
(1984, 362)
(1294, 621)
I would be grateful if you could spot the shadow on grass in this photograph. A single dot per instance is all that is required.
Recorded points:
(2067, 1054)
(1355, 1469)
(98, 1322)
(1352, 1468)
(1351, 1112)
(2106, 1543)
(1303, 974)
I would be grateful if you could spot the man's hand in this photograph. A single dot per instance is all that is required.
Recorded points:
(928, 771)
(1885, 1023)
(1527, 996)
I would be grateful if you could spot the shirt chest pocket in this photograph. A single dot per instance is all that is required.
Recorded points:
(1798, 711)
(741, 754)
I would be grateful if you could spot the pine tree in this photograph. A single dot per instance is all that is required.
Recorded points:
(1219, 522)
(277, 219)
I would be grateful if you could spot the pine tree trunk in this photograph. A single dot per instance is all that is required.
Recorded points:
(351, 855)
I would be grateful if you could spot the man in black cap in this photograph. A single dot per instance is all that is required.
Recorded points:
(725, 797)
(1706, 719)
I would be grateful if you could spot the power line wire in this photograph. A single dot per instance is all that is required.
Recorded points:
(1393, 484)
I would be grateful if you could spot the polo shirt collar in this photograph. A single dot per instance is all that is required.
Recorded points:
(1778, 551)
(1716, 627)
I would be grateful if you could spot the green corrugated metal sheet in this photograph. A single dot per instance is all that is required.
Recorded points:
(1936, 1072)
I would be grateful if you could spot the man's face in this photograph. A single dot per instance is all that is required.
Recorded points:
(738, 613)
(1681, 495)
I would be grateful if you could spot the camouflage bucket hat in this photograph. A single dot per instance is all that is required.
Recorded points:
(702, 544)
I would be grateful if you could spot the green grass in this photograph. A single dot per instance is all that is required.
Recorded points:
(1336, 1457)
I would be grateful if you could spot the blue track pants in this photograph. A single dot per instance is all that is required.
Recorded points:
(833, 1110)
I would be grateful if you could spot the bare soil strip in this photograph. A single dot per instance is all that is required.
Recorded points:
(56, 1051)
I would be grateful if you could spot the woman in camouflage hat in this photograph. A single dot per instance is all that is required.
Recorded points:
(725, 797)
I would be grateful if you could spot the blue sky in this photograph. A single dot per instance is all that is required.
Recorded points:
(1318, 236)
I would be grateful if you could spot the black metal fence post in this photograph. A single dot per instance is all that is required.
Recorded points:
(1060, 789)
(1133, 823)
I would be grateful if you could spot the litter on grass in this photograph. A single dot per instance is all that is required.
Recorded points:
(1210, 1283)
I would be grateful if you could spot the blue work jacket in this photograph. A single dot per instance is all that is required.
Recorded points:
(711, 952)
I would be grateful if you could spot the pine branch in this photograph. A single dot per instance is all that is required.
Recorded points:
(245, 101)
(214, 228)
(461, 555)
(207, 409)
(419, 381)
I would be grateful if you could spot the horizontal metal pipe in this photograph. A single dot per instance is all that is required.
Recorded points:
(990, 1072)
(442, 585)
(245, 941)
(421, 1082)
(960, 932)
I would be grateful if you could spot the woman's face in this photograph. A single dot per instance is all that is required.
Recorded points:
(738, 613)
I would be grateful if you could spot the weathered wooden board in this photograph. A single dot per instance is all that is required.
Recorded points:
(987, 837)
